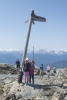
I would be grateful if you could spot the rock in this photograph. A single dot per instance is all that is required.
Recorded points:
(19, 90)
(11, 97)
(1, 90)
(36, 71)
(65, 92)
(55, 98)
(7, 68)
(52, 88)
(65, 98)
(61, 97)
(7, 81)
(65, 85)
(58, 97)
(41, 98)
(44, 93)
(19, 97)
(59, 94)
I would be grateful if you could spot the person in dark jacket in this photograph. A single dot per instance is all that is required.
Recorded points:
(18, 63)
(26, 70)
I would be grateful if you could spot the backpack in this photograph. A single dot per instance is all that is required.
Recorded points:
(20, 76)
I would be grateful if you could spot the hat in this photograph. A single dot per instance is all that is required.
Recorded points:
(26, 59)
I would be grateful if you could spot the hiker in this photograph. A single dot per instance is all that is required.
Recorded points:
(17, 64)
(26, 70)
(31, 72)
(48, 70)
(54, 69)
(41, 70)
(20, 76)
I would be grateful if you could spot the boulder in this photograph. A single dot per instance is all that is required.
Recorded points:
(36, 71)
(7, 68)
(65, 85)
(55, 98)
(65, 98)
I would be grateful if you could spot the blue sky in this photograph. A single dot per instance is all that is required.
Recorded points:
(51, 35)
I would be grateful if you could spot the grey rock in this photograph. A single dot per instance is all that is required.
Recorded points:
(65, 98)
(11, 97)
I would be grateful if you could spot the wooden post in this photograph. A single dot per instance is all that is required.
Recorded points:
(27, 41)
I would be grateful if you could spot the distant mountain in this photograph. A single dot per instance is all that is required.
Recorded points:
(60, 64)
(52, 58)
(10, 57)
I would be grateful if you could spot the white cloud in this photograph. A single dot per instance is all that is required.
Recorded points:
(9, 50)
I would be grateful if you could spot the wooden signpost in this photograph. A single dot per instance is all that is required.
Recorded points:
(33, 18)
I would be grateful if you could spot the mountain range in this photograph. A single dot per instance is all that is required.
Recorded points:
(53, 58)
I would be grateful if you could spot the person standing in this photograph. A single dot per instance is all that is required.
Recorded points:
(41, 70)
(48, 70)
(18, 63)
(54, 69)
(26, 70)
(31, 72)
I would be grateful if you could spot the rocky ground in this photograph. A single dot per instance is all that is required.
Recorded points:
(7, 68)
(53, 87)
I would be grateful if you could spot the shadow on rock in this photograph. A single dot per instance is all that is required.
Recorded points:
(38, 86)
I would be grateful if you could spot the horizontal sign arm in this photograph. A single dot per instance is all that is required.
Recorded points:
(37, 18)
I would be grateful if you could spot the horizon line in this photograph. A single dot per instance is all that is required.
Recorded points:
(29, 51)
